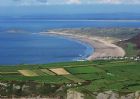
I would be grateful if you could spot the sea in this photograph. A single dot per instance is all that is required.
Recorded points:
(22, 43)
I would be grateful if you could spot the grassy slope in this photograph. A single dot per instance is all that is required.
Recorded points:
(131, 46)
(121, 75)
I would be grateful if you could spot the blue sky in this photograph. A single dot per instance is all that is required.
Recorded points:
(8, 7)
(63, 2)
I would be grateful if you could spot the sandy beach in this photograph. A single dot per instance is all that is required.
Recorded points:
(102, 48)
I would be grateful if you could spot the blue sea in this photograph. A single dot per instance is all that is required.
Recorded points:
(21, 42)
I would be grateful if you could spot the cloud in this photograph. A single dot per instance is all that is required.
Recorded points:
(120, 1)
(74, 1)
(30, 2)
(110, 1)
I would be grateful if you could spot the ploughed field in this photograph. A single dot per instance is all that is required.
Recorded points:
(101, 75)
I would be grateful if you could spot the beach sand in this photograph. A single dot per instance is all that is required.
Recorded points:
(102, 48)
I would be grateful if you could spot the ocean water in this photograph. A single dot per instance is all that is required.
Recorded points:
(21, 42)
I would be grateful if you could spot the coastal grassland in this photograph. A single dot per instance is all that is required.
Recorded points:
(74, 78)
(101, 75)
(83, 70)
(130, 48)
(122, 76)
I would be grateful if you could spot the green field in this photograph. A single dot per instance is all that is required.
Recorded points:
(84, 70)
(117, 75)
(130, 49)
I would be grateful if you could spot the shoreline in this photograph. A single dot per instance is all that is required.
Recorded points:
(102, 48)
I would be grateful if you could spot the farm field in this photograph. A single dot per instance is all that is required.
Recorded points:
(116, 75)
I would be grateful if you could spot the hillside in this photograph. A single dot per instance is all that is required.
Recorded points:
(131, 46)
(135, 40)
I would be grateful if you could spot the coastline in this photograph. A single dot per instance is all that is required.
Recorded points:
(102, 48)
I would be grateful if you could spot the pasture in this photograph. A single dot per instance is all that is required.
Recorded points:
(117, 75)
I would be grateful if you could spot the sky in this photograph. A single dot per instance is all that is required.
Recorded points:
(68, 6)
(63, 2)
